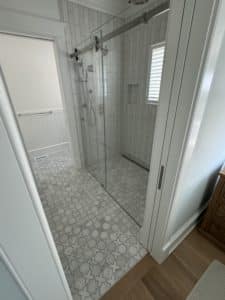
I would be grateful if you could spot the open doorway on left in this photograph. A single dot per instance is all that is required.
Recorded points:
(30, 69)
(96, 240)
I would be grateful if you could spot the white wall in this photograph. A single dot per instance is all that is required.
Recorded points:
(30, 70)
(44, 8)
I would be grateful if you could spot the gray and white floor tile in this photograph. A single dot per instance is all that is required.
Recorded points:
(96, 240)
(126, 182)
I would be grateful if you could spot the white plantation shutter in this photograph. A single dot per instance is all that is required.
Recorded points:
(155, 73)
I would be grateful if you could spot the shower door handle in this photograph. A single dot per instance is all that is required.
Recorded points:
(161, 177)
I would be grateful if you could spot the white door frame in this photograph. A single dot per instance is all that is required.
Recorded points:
(175, 19)
(179, 27)
(204, 44)
(162, 200)
(23, 25)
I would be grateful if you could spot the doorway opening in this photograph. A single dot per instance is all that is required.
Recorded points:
(96, 240)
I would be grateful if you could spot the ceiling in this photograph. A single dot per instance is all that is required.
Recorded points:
(113, 7)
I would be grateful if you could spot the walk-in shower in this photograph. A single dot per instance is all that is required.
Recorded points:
(94, 212)
(113, 69)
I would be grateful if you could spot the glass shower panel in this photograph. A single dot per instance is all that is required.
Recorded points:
(129, 118)
(100, 115)
(89, 71)
(118, 119)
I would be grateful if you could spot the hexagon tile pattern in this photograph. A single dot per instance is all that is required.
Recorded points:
(96, 240)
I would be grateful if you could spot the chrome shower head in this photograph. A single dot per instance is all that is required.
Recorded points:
(137, 2)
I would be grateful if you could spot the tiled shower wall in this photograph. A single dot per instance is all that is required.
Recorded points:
(84, 22)
(113, 77)
(138, 117)
(129, 119)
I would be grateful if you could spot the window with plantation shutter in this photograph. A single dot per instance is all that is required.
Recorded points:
(155, 72)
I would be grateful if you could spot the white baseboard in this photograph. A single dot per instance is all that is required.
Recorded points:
(179, 236)
(48, 147)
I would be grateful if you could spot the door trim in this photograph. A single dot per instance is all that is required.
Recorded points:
(161, 244)
(175, 19)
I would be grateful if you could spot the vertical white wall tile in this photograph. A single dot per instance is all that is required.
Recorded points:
(139, 118)
(129, 127)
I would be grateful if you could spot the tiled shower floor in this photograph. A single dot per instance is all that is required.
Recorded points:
(96, 240)
(127, 182)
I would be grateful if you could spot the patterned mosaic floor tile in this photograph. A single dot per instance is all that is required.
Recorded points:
(126, 182)
(96, 240)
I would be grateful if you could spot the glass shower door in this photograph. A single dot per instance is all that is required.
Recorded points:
(129, 64)
(122, 74)
(92, 114)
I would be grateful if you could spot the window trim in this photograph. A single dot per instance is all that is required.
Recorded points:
(151, 47)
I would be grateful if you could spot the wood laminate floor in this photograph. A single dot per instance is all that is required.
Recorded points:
(173, 279)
